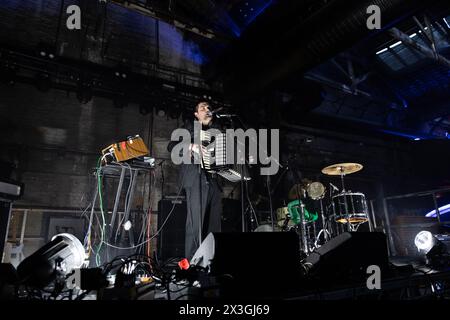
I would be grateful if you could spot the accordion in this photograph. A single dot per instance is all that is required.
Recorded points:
(214, 159)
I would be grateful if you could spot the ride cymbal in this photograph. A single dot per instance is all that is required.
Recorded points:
(342, 169)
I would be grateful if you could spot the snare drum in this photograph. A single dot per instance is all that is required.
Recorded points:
(350, 207)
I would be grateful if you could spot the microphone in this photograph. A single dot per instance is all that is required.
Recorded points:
(224, 115)
(214, 112)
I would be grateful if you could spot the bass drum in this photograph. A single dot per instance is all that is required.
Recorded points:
(265, 228)
(350, 207)
(264, 223)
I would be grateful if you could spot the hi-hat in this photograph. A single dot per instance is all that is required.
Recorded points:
(342, 169)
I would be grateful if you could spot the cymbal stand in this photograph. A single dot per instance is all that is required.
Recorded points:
(342, 179)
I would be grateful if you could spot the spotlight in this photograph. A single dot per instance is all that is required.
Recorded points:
(434, 248)
(438, 256)
(127, 225)
(424, 241)
(45, 50)
(58, 257)
(121, 72)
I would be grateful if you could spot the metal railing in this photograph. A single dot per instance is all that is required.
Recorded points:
(387, 217)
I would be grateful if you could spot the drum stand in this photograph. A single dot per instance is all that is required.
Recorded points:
(324, 230)
(303, 226)
(349, 225)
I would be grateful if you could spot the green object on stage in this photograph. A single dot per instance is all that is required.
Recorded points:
(295, 212)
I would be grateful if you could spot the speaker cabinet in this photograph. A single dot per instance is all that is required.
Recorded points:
(252, 262)
(171, 239)
(347, 256)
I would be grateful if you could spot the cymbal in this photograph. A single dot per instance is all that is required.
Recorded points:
(342, 169)
(297, 190)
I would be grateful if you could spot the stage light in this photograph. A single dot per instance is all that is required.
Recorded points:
(442, 210)
(58, 257)
(446, 22)
(434, 248)
(382, 51)
(121, 72)
(395, 45)
(46, 50)
(438, 256)
(127, 225)
(424, 241)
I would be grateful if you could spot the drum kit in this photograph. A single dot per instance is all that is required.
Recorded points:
(309, 209)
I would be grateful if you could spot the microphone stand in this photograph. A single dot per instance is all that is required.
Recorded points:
(200, 192)
(302, 212)
(268, 176)
(241, 169)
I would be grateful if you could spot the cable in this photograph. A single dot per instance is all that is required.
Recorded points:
(157, 232)
(102, 228)
(152, 179)
(250, 204)
(126, 200)
(145, 220)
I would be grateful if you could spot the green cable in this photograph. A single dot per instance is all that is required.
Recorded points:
(102, 229)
